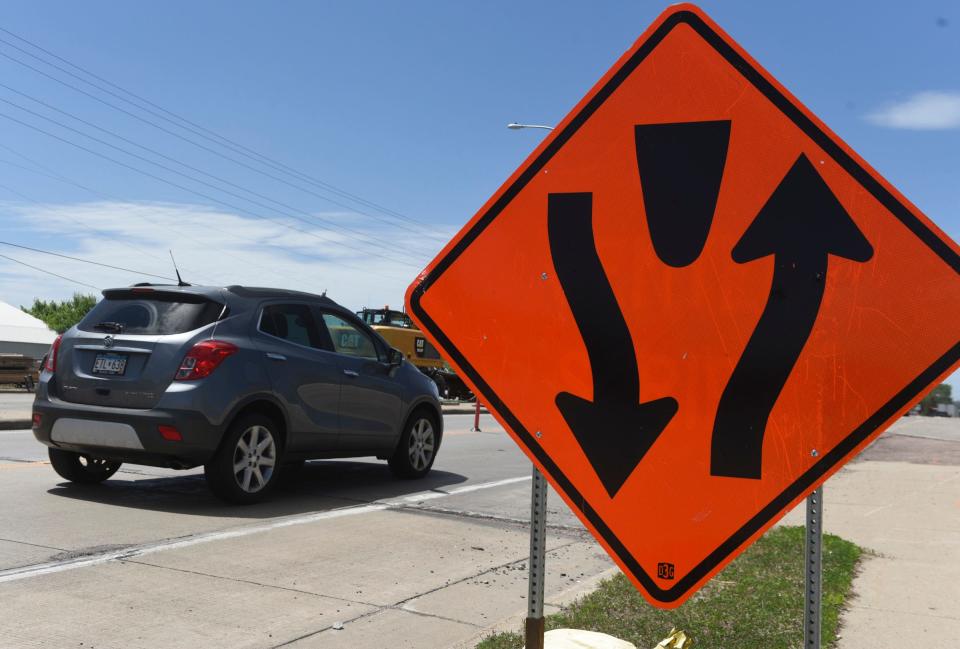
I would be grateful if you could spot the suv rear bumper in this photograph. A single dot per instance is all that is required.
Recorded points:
(125, 435)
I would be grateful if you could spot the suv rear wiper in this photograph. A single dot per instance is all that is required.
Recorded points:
(109, 326)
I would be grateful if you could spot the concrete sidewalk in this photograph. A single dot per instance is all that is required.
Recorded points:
(907, 593)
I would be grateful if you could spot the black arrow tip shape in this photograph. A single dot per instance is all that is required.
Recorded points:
(681, 167)
(802, 217)
(613, 436)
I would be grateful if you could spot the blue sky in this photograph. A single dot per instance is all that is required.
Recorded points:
(402, 104)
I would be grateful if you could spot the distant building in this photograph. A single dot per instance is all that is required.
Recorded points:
(21, 333)
(946, 409)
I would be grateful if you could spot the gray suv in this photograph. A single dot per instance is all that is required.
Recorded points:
(248, 382)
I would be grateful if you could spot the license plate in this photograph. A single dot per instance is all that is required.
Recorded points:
(110, 364)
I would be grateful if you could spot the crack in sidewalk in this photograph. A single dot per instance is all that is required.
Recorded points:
(399, 605)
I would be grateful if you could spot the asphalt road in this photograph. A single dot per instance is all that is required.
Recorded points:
(18, 401)
(14, 397)
(341, 557)
(918, 440)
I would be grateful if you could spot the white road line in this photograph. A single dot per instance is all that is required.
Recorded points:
(440, 493)
(46, 568)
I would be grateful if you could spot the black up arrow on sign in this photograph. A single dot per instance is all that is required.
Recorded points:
(800, 225)
(614, 430)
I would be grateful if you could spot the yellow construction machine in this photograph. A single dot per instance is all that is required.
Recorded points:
(399, 330)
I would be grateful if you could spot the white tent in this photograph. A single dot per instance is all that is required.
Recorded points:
(21, 333)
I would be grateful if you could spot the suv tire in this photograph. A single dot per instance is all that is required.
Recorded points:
(441, 383)
(418, 446)
(246, 467)
(81, 468)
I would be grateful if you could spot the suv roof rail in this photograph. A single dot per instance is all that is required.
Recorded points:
(258, 291)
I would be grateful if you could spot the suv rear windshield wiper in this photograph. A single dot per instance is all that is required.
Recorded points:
(109, 326)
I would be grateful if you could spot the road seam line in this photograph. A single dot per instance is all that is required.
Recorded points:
(441, 493)
(35, 545)
(248, 582)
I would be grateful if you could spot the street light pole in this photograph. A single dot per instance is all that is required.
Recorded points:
(536, 570)
(515, 126)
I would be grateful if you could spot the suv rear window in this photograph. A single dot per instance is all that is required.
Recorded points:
(158, 314)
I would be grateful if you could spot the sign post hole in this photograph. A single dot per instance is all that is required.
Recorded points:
(538, 546)
(813, 570)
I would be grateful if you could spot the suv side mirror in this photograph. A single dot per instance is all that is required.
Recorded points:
(395, 357)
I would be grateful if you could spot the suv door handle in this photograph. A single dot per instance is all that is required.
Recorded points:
(351, 373)
(276, 357)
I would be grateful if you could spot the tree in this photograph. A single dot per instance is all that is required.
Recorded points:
(61, 315)
(940, 395)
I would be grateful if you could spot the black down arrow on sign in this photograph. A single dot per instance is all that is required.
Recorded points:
(615, 430)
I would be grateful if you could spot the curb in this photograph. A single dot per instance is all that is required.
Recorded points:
(15, 424)
(458, 410)
(461, 408)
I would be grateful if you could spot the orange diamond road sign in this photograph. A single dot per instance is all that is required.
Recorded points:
(692, 304)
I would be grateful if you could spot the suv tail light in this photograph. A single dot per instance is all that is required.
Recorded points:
(170, 433)
(205, 357)
(51, 364)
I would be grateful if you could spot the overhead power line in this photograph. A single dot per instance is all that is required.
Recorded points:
(203, 195)
(49, 173)
(48, 272)
(171, 159)
(225, 139)
(86, 261)
(105, 235)
(220, 141)
(352, 234)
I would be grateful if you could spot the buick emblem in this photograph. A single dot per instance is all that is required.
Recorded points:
(108, 342)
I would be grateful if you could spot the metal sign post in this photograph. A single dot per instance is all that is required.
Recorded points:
(813, 570)
(538, 548)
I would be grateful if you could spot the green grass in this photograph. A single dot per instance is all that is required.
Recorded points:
(755, 603)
